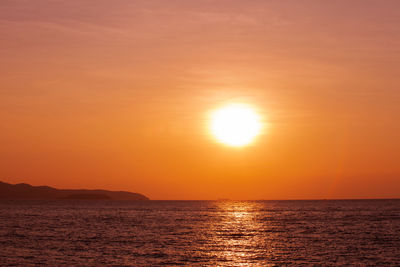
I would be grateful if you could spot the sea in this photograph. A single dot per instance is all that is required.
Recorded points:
(200, 233)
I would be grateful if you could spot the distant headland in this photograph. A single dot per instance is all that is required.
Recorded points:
(26, 191)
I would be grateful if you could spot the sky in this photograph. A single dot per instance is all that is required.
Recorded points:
(117, 95)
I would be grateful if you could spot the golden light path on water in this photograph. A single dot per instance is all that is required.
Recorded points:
(237, 233)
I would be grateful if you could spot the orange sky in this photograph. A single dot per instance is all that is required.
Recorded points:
(115, 95)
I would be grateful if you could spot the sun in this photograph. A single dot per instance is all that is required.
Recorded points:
(235, 124)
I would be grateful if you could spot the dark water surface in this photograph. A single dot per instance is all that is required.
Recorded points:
(207, 233)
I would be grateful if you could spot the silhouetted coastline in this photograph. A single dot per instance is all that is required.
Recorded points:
(26, 191)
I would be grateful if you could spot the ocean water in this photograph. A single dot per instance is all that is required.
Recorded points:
(204, 233)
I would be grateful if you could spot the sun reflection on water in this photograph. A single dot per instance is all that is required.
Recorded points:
(236, 233)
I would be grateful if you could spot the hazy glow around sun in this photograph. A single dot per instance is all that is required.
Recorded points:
(235, 124)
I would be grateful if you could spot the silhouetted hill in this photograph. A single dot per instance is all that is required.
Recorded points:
(26, 191)
(87, 196)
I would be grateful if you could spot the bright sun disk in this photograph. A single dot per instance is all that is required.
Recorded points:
(235, 124)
